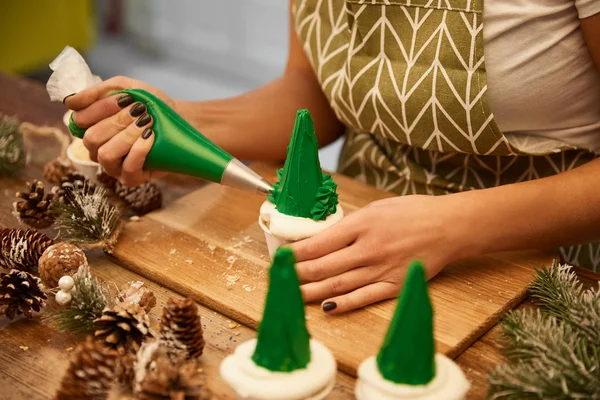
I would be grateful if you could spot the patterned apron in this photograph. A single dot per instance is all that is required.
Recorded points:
(408, 80)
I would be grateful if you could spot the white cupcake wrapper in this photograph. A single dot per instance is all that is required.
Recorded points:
(273, 242)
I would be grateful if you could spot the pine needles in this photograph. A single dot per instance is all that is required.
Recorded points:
(12, 149)
(554, 352)
(90, 298)
(87, 218)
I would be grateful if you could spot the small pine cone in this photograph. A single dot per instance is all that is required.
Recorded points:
(141, 199)
(71, 182)
(57, 169)
(126, 370)
(181, 328)
(106, 180)
(21, 293)
(168, 378)
(124, 327)
(137, 293)
(22, 249)
(33, 208)
(59, 260)
(91, 372)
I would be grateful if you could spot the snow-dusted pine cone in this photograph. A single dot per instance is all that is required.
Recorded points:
(124, 327)
(106, 180)
(91, 372)
(57, 169)
(137, 293)
(181, 329)
(22, 249)
(21, 293)
(71, 182)
(141, 199)
(33, 208)
(59, 260)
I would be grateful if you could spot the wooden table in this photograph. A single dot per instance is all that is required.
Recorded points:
(34, 354)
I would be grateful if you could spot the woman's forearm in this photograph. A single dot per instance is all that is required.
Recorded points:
(546, 213)
(257, 125)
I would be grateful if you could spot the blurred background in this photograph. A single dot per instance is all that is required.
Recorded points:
(191, 49)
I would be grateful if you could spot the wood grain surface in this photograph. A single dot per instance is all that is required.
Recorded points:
(209, 246)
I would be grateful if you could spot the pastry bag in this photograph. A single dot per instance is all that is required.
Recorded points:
(180, 148)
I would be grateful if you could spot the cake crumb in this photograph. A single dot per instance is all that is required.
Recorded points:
(236, 334)
(307, 317)
(231, 260)
(173, 251)
(248, 288)
(231, 279)
(187, 260)
(134, 218)
(24, 348)
(69, 349)
(232, 325)
(248, 239)
(212, 248)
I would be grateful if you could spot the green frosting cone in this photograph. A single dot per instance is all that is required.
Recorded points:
(407, 355)
(283, 342)
(303, 189)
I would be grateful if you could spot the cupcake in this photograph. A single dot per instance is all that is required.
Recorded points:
(304, 201)
(407, 366)
(283, 362)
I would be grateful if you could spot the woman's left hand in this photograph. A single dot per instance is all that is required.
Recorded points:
(363, 258)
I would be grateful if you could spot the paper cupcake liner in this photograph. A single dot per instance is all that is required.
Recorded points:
(273, 242)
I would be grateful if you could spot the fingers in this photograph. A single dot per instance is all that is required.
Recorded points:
(106, 129)
(330, 265)
(337, 285)
(112, 154)
(332, 239)
(360, 297)
(133, 173)
(101, 109)
(87, 97)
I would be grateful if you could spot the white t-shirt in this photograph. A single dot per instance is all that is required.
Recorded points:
(542, 80)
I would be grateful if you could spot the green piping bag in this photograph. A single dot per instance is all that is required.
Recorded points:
(180, 148)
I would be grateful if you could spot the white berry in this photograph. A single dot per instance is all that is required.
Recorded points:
(63, 297)
(66, 283)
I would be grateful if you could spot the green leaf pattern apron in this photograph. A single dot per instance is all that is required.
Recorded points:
(408, 80)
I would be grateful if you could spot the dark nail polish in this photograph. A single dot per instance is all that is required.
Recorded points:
(330, 305)
(143, 120)
(124, 100)
(137, 110)
(66, 97)
(147, 133)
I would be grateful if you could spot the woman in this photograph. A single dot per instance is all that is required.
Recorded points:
(406, 82)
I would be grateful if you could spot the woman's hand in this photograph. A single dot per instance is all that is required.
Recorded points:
(119, 132)
(363, 258)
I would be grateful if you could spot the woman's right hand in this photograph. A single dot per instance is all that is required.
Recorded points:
(119, 132)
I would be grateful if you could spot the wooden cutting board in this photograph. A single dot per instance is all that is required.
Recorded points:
(207, 245)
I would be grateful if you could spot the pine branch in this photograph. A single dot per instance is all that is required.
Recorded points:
(12, 149)
(90, 298)
(561, 294)
(87, 218)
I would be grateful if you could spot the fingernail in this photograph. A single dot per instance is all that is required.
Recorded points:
(124, 100)
(66, 97)
(330, 305)
(137, 110)
(143, 120)
(147, 133)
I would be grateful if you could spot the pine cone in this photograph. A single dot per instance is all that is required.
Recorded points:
(71, 182)
(59, 260)
(22, 249)
(166, 378)
(126, 370)
(33, 209)
(106, 180)
(181, 329)
(124, 327)
(21, 293)
(137, 293)
(90, 374)
(141, 199)
(57, 169)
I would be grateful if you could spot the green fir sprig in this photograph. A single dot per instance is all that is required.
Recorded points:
(12, 148)
(87, 218)
(89, 299)
(553, 352)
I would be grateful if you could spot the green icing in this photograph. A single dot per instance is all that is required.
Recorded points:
(407, 355)
(303, 190)
(283, 342)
